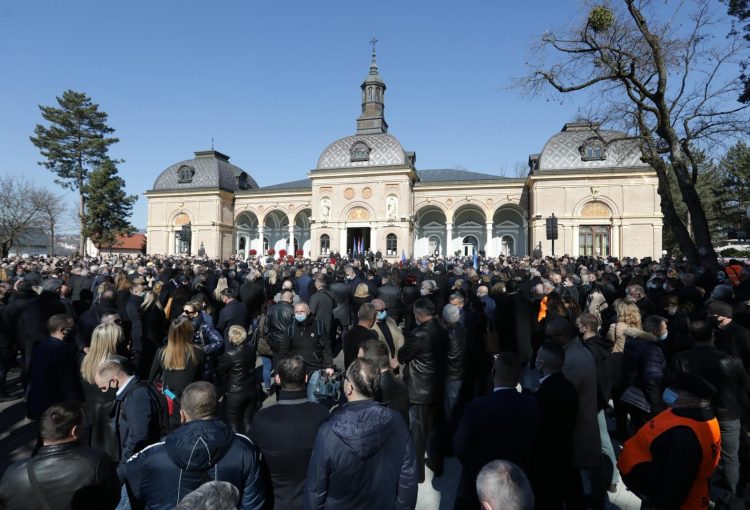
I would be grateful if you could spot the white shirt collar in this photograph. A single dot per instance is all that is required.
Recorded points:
(122, 388)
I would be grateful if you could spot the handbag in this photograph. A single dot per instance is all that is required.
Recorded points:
(261, 342)
(169, 395)
(635, 397)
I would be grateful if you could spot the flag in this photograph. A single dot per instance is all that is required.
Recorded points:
(476, 260)
(362, 245)
(354, 249)
(403, 257)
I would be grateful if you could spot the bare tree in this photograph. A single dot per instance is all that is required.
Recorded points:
(51, 209)
(18, 211)
(665, 81)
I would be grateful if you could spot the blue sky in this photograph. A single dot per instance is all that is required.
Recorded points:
(274, 82)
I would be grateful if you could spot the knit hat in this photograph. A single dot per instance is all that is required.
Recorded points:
(720, 308)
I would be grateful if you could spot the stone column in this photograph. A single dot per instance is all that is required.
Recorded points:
(342, 240)
(260, 241)
(290, 251)
(488, 251)
(449, 240)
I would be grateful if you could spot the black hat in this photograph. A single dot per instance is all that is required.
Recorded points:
(720, 308)
(693, 384)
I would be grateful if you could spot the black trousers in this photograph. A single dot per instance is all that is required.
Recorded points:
(426, 428)
(240, 408)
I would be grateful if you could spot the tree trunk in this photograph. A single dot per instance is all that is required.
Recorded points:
(81, 210)
(52, 240)
(672, 219)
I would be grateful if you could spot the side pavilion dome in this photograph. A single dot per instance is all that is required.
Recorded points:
(208, 170)
(582, 145)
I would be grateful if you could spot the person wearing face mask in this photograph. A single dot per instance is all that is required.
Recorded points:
(668, 464)
(53, 372)
(731, 338)
(388, 331)
(728, 376)
(136, 413)
(307, 336)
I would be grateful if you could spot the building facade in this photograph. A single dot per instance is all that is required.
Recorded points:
(366, 193)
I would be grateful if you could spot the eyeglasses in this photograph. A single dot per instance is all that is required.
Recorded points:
(189, 312)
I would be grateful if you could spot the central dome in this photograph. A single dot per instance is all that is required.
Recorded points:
(358, 151)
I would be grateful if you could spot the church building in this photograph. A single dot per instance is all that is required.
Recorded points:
(366, 193)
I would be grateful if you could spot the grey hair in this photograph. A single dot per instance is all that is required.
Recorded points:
(451, 314)
(503, 485)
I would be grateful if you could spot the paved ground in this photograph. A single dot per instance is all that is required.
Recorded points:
(18, 436)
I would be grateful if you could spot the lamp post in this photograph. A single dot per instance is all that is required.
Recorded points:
(551, 224)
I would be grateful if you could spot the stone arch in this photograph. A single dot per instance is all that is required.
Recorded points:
(508, 220)
(430, 221)
(302, 233)
(469, 219)
(432, 203)
(276, 228)
(246, 232)
(578, 209)
(358, 207)
(178, 212)
(466, 203)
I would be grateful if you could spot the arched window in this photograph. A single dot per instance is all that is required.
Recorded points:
(243, 243)
(391, 245)
(593, 149)
(325, 244)
(185, 174)
(359, 151)
(593, 240)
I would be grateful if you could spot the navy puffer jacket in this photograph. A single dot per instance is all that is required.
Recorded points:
(199, 451)
(363, 458)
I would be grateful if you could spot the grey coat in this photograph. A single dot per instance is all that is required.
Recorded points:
(580, 369)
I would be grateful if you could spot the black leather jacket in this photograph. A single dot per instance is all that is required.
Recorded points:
(237, 368)
(727, 375)
(454, 367)
(67, 476)
(279, 317)
(424, 353)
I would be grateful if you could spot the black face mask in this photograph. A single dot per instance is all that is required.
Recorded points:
(713, 321)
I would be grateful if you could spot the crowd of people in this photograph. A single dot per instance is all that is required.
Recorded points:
(181, 382)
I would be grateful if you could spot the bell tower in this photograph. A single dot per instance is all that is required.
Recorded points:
(372, 120)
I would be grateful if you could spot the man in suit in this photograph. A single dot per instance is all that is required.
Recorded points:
(555, 481)
(393, 392)
(234, 313)
(502, 425)
(580, 369)
(361, 332)
(285, 433)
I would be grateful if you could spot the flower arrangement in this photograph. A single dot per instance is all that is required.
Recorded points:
(271, 251)
(299, 253)
(282, 253)
(253, 252)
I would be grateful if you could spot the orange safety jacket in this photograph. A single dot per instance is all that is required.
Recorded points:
(734, 272)
(638, 450)
(542, 309)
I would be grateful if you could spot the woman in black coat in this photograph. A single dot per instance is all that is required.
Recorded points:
(236, 370)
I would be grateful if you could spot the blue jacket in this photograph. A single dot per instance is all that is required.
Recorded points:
(199, 451)
(363, 458)
(136, 415)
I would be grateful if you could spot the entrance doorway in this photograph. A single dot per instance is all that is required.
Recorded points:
(470, 245)
(357, 240)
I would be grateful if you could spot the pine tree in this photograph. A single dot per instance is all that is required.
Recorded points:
(108, 207)
(734, 170)
(74, 143)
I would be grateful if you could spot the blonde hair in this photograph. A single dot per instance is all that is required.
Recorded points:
(180, 346)
(104, 342)
(362, 290)
(237, 334)
(628, 313)
(122, 282)
(220, 285)
(149, 298)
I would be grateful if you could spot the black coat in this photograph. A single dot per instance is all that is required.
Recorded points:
(278, 319)
(424, 354)
(136, 418)
(234, 313)
(392, 297)
(53, 376)
(252, 296)
(363, 458)
(643, 365)
(68, 476)
(199, 451)
(236, 369)
(343, 296)
(502, 425)
(285, 434)
(310, 340)
(735, 341)
(32, 322)
(90, 319)
(601, 348)
(352, 340)
(553, 452)
(393, 394)
(727, 375)
(98, 408)
(322, 304)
